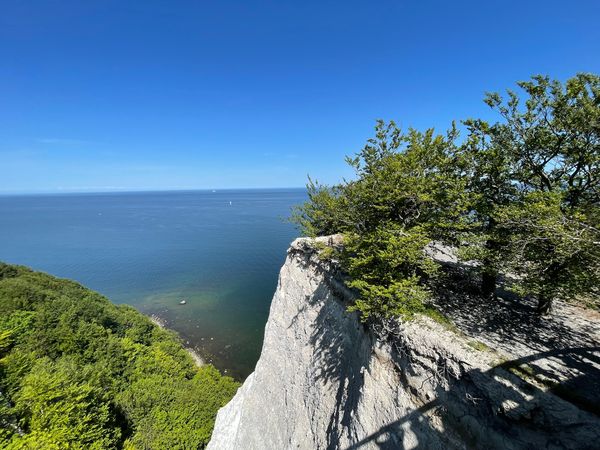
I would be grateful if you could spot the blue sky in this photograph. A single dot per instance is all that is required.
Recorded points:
(128, 95)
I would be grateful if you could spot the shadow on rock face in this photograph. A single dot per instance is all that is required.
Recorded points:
(326, 381)
(502, 407)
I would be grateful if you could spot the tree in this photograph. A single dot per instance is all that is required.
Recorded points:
(79, 372)
(409, 190)
(553, 253)
(547, 145)
(324, 212)
(58, 402)
(519, 196)
(554, 141)
(490, 183)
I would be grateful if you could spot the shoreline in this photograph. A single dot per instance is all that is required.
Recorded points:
(162, 323)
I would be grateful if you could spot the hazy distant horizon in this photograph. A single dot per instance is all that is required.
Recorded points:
(144, 190)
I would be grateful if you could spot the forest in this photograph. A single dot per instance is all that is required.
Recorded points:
(77, 371)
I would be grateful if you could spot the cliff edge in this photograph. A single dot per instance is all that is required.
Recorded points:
(324, 381)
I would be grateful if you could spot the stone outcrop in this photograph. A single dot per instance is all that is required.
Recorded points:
(324, 381)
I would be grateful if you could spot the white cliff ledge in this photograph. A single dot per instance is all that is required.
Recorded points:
(323, 381)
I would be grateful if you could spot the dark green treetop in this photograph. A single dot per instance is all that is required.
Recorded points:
(519, 196)
(541, 163)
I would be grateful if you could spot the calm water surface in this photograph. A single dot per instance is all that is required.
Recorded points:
(220, 251)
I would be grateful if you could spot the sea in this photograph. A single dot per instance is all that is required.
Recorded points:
(220, 251)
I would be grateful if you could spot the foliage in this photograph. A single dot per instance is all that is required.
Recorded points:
(554, 254)
(59, 401)
(323, 212)
(79, 372)
(386, 266)
(520, 196)
(555, 140)
(387, 214)
(545, 168)
(491, 185)
(401, 178)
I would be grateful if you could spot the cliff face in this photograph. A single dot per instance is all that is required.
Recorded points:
(325, 382)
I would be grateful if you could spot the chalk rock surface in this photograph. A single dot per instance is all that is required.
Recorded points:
(324, 381)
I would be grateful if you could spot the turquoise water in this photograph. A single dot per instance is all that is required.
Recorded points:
(220, 251)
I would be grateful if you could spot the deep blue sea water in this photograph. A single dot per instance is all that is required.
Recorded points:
(220, 251)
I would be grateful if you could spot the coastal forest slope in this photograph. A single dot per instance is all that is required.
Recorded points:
(77, 371)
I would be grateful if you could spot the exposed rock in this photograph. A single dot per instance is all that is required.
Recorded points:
(324, 381)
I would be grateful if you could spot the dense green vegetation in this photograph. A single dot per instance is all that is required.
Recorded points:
(520, 197)
(79, 372)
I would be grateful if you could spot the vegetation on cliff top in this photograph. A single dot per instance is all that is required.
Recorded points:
(518, 196)
(77, 371)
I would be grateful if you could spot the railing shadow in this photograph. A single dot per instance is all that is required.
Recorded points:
(494, 408)
(530, 418)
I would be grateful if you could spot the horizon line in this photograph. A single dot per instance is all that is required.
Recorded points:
(140, 191)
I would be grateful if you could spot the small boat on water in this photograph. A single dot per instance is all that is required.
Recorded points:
(182, 302)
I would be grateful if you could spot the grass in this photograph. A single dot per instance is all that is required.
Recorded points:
(478, 345)
(433, 313)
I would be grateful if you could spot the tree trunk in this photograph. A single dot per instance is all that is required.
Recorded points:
(547, 292)
(489, 274)
(488, 283)
(544, 306)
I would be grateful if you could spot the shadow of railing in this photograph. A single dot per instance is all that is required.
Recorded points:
(509, 413)
(502, 407)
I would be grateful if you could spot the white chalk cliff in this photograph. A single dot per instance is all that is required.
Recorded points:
(324, 381)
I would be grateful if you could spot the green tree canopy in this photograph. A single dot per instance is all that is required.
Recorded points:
(79, 372)
(390, 211)
(540, 163)
(519, 196)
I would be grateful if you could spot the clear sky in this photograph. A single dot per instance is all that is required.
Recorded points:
(124, 95)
